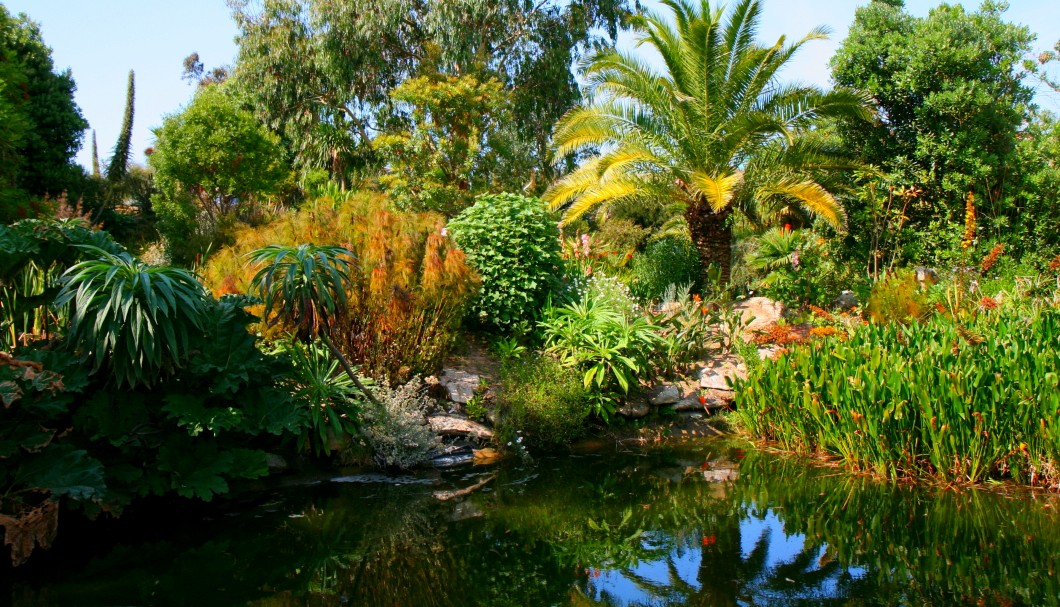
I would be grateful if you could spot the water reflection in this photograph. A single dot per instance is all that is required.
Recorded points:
(673, 526)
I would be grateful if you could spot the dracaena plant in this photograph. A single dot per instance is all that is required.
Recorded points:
(304, 287)
(136, 320)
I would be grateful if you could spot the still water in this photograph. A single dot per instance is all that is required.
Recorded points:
(702, 525)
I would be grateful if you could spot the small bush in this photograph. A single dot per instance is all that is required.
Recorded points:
(544, 399)
(513, 243)
(668, 261)
(398, 433)
(899, 298)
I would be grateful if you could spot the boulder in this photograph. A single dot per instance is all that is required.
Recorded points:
(634, 410)
(451, 425)
(720, 371)
(664, 395)
(758, 313)
(713, 400)
(846, 301)
(459, 385)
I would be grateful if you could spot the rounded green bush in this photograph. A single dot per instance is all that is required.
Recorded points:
(671, 260)
(543, 399)
(512, 241)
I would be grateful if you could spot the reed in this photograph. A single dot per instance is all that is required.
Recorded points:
(957, 402)
(409, 284)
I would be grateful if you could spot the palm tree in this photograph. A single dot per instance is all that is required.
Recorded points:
(712, 131)
(306, 285)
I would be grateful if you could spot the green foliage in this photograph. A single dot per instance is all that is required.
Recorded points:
(330, 398)
(40, 124)
(136, 320)
(899, 298)
(304, 285)
(687, 330)
(760, 154)
(33, 256)
(450, 144)
(611, 349)
(321, 74)
(664, 263)
(543, 399)
(212, 161)
(960, 403)
(953, 105)
(513, 243)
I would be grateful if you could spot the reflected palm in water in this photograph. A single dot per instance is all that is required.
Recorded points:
(688, 526)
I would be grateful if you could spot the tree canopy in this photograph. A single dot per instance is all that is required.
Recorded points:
(40, 124)
(321, 73)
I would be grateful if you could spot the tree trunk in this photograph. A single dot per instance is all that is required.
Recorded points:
(712, 235)
(349, 371)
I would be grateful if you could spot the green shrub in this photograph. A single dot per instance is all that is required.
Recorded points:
(671, 260)
(544, 399)
(513, 243)
(899, 298)
(958, 402)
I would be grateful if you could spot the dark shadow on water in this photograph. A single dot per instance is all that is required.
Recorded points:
(703, 525)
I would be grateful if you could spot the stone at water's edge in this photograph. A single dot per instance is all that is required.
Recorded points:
(664, 395)
(715, 399)
(634, 410)
(460, 385)
(451, 425)
(720, 371)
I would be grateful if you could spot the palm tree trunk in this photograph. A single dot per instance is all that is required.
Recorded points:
(712, 234)
(349, 371)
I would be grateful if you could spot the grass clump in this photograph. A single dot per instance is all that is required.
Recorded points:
(545, 400)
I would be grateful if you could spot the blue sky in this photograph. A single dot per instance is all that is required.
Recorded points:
(101, 40)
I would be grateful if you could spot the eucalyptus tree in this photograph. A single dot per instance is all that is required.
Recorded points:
(304, 287)
(711, 131)
(320, 72)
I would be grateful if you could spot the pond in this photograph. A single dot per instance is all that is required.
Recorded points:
(705, 524)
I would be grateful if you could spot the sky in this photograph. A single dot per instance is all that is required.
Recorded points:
(101, 40)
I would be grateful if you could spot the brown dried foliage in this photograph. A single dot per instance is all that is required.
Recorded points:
(31, 528)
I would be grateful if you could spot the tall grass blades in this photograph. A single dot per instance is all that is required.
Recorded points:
(960, 403)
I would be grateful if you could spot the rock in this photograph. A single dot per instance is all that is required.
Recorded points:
(451, 425)
(846, 301)
(720, 371)
(459, 385)
(758, 313)
(634, 410)
(714, 400)
(275, 463)
(769, 351)
(664, 395)
(926, 276)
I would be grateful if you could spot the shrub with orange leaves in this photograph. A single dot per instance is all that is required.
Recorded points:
(410, 285)
(1054, 265)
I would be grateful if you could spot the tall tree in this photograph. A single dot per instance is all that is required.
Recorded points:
(43, 124)
(119, 160)
(320, 72)
(711, 131)
(951, 96)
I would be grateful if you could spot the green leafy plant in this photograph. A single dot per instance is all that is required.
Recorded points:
(959, 402)
(513, 243)
(610, 349)
(135, 319)
(330, 397)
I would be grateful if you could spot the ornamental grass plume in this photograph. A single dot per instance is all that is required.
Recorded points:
(968, 238)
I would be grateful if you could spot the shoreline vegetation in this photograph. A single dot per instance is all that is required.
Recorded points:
(869, 273)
